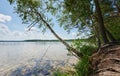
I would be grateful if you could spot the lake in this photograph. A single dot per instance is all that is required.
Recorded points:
(17, 54)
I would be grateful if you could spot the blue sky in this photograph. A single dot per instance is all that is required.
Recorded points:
(11, 27)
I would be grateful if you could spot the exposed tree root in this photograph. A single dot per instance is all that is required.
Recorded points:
(106, 62)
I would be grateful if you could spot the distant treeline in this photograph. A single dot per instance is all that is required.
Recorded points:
(46, 40)
(39, 40)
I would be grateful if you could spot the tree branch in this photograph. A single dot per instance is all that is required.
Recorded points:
(77, 53)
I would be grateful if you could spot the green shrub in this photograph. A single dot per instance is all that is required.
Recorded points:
(83, 66)
(87, 50)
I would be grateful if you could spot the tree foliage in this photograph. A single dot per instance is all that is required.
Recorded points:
(35, 12)
(97, 18)
(83, 14)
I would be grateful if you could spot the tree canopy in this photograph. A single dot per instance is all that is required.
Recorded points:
(98, 18)
(83, 13)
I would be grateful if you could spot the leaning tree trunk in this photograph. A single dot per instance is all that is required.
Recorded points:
(66, 44)
(106, 62)
(75, 52)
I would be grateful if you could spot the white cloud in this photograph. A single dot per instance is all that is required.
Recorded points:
(7, 34)
(4, 29)
(4, 18)
(34, 33)
(74, 34)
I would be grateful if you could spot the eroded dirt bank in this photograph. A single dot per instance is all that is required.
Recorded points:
(106, 62)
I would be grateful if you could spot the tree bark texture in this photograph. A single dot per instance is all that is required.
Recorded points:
(100, 22)
(106, 62)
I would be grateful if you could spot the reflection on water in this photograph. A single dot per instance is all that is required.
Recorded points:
(13, 54)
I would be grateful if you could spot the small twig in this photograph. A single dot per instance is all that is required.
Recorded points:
(32, 25)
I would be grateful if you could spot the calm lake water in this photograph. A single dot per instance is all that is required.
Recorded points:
(14, 54)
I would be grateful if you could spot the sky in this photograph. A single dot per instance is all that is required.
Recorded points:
(11, 27)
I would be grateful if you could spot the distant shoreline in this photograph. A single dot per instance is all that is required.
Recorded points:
(34, 40)
(68, 40)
